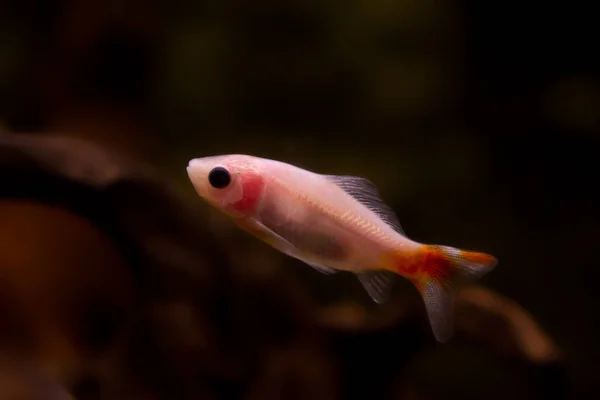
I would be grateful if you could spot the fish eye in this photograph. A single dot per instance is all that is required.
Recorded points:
(219, 178)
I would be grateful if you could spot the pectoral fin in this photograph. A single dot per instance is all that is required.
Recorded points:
(265, 234)
(321, 268)
(259, 230)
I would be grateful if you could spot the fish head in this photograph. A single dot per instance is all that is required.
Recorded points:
(231, 183)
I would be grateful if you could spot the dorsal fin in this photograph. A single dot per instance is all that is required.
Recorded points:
(365, 191)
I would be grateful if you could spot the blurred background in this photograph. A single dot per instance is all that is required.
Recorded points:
(478, 122)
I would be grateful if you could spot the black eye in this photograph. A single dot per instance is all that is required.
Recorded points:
(219, 177)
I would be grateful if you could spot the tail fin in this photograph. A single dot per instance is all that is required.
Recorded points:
(444, 270)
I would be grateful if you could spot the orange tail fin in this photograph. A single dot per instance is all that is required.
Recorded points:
(442, 272)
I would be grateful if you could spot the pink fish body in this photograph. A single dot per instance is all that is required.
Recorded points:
(335, 223)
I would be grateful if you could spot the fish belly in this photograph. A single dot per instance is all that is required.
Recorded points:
(317, 238)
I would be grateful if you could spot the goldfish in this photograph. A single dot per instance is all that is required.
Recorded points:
(336, 223)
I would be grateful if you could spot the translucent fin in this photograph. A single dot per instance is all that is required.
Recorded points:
(365, 191)
(265, 234)
(262, 232)
(445, 270)
(378, 284)
(321, 268)
(439, 303)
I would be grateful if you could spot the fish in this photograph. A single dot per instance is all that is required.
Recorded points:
(336, 223)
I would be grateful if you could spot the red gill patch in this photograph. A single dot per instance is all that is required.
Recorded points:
(252, 187)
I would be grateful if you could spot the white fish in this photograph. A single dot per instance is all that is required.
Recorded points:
(335, 223)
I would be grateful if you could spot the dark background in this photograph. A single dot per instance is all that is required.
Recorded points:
(478, 121)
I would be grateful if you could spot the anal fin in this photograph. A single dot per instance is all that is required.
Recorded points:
(378, 284)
